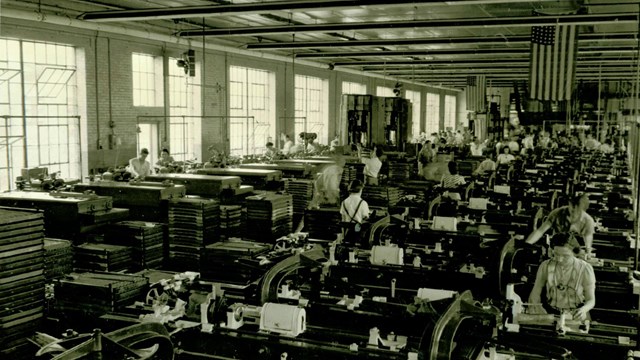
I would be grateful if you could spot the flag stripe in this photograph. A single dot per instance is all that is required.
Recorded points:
(554, 76)
(534, 74)
(561, 70)
(547, 75)
(570, 58)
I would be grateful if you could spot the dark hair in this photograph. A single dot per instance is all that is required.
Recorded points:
(379, 152)
(453, 167)
(144, 151)
(269, 144)
(165, 150)
(564, 239)
(355, 187)
(506, 147)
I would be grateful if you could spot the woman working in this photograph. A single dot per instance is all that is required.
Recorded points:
(570, 282)
(568, 219)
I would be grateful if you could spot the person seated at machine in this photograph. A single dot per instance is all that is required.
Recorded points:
(139, 167)
(327, 184)
(372, 165)
(570, 282)
(569, 219)
(165, 161)
(452, 180)
(487, 165)
(287, 143)
(476, 148)
(354, 211)
(271, 150)
(505, 158)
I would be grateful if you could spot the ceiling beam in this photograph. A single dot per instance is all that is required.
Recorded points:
(522, 21)
(451, 52)
(488, 60)
(265, 8)
(492, 40)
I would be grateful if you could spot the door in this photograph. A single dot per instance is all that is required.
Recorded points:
(148, 138)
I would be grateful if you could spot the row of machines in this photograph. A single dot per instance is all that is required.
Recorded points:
(443, 278)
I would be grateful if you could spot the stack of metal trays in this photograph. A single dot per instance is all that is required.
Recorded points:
(97, 293)
(223, 261)
(146, 240)
(193, 224)
(21, 279)
(381, 196)
(323, 223)
(58, 258)
(102, 257)
(230, 221)
(400, 171)
(302, 193)
(269, 216)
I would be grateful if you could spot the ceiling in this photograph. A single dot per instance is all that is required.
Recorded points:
(431, 42)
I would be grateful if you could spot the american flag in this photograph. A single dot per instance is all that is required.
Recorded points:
(476, 93)
(553, 62)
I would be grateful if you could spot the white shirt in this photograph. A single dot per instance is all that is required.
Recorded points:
(527, 142)
(476, 150)
(504, 159)
(139, 168)
(287, 147)
(348, 209)
(514, 147)
(372, 166)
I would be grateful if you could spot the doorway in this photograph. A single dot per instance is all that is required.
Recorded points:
(148, 138)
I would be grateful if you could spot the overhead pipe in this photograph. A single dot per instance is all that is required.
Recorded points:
(488, 60)
(492, 40)
(261, 8)
(515, 21)
(499, 70)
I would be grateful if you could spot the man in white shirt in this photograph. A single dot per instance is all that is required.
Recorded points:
(354, 209)
(590, 143)
(288, 143)
(372, 165)
(139, 167)
(477, 148)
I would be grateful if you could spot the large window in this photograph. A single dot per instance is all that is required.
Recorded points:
(253, 109)
(184, 114)
(147, 80)
(450, 112)
(354, 88)
(47, 132)
(312, 105)
(416, 104)
(433, 113)
(384, 91)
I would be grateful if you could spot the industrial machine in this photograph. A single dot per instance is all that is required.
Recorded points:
(202, 185)
(67, 214)
(258, 178)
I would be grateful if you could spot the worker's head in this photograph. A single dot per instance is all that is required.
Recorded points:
(144, 153)
(164, 153)
(269, 145)
(577, 204)
(453, 167)
(563, 247)
(379, 152)
(355, 187)
(506, 150)
(284, 137)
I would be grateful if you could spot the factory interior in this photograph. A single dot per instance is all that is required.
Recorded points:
(319, 179)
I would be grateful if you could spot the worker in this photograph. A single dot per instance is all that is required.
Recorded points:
(354, 211)
(590, 143)
(452, 180)
(607, 147)
(569, 219)
(372, 165)
(505, 158)
(287, 143)
(334, 143)
(485, 166)
(327, 183)
(165, 158)
(425, 156)
(569, 282)
(477, 147)
(139, 167)
(271, 150)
